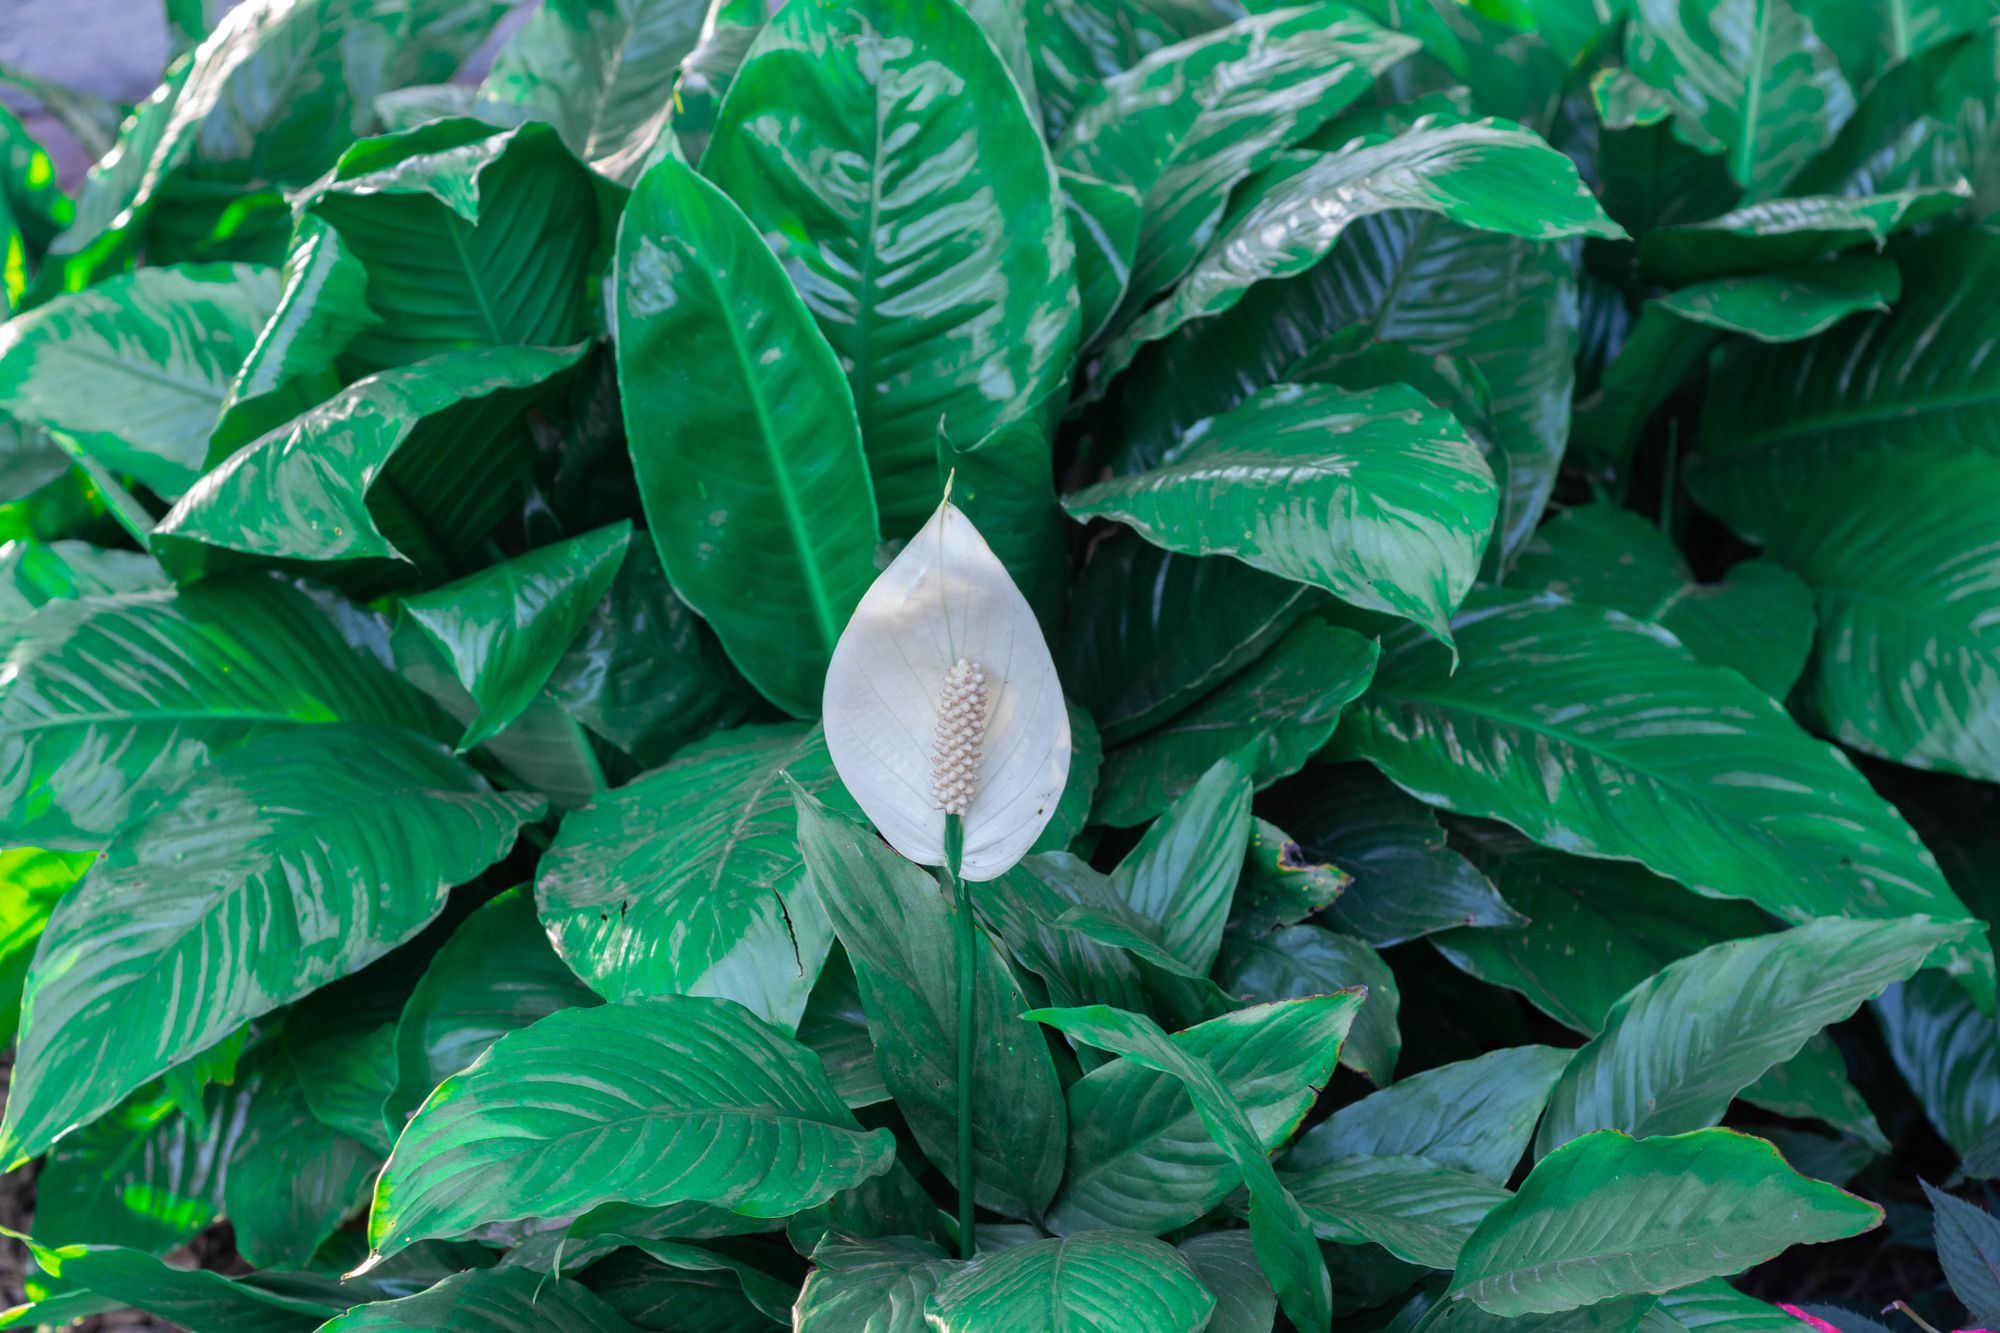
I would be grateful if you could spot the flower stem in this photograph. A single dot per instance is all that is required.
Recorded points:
(1915, 1318)
(968, 963)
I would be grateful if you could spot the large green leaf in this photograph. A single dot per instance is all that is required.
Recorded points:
(714, 344)
(283, 865)
(504, 629)
(666, 1285)
(496, 973)
(1032, 907)
(489, 1300)
(32, 881)
(1783, 233)
(648, 1102)
(467, 244)
(1871, 36)
(92, 732)
(1378, 496)
(880, 1286)
(1538, 728)
(900, 933)
(1486, 174)
(410, 467)
(1275, 713)
(1189, 122)
(1312, 960)
(1407, 883)
(134, 372)
(144, 1176)
(884, 151)
(196, 1299)
(689, 881)
(34, 573)
(1949, 1052)
(1278, 1227)
(1475, 1115)
(1606, 1215)
(1758, 620)
(1182, 875)
(291, 1179)
(1226, 1262)
(1749, 79)
(1139, 1156)
(602, 72)
(1416, 1209)
(1076, 44)
(1682, 1044)
(1100, 1280)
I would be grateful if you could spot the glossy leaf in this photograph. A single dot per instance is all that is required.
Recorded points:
(1680, 1045)
(849, 132)
(689, 881)
(92, 734)
(1378, 497)
(504, 629)
(1749, 79)
(1606, 1215)
(34, 573)
(379, 478)
(291, 1179)
(1484, 174)
(719, 1107)
(1419, 1211)
(139, 968)
(1185, 125)
(796, 531)
(881, 1286)
(164, 1176)
(1537, 686)
(1948, 1052)
(898, 931)
(1312, 960)
(1784, 232)
(133, 373)
(502, 1300)
(1182, 875)
(197, 1299)
(1306, 678)
(1281, 884)
(1102, 1279)
(1139, 1156)
(1226, 1262)
(1278, 1227)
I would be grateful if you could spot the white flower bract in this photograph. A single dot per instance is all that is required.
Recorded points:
(941, 695)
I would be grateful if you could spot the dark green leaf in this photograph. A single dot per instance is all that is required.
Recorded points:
(1968, 1246)
(797, 530)
(1281, 884)
(1182, 875)
(1226, 1262)
(1786, 232)
(195, 1299)
(1102, 1279)
(1948, 1051)
(291, 1180)
(1311, 960)
(1419, 1211)
(488, 1300)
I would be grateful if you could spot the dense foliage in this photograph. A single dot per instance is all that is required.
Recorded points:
(1513, 491)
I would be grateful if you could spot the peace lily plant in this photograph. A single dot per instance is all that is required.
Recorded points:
(945, 720)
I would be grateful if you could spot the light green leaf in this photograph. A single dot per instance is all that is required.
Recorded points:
(794, 551)
(1606, 1215)
(649, 1102)
(32, 882)
(292, 861)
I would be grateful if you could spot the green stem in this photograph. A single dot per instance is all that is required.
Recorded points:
(968, 963)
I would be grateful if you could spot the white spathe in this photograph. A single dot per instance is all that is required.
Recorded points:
(947, 597)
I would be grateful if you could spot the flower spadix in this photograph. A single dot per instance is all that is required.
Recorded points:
(942, 697)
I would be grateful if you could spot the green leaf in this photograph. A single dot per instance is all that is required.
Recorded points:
(880, 1286)
(1104, 222)
(290, 862)
(1032, 908)
(409, 470)
(490, 1300)
(646, 673)
(1226, 1262)
(797, 529)
(196, 1299)
(1149, 632)
(1749, 79)
(1139, 1156)
(1473, 1115)
(1312, 960)
(145, 1176)
(1705, 1305)
(899, 932)
(1075, 46)
(291, 1179)
(1281, 885)
(1758, 620)
(1682, 1044)
(1419, 1211)
(1627, 920)
(700, 1289)
(476, 244)
(602, 72)
(1606, 1215)
(925, 231)
(133, 373)
(1278, 1227)
(648, 1102)
(1946, 1051)
(92, 734)
(1968, 1247)
(495, 974)
(1875, 35)
(504, 629)
(1099, 1280)
(1539, 691)
(32, 882)
(1407, 883)
(1276, 713)
(1184, 126)
(1676, 332)
(34, 573)
(835, 1026)
(1786, 232)
(1378, 497)
(1487, 174)
(689, 881)
(1182, 875)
